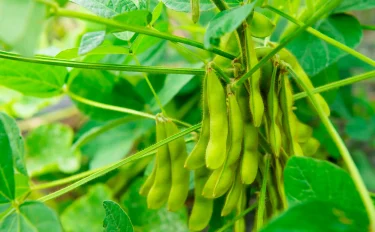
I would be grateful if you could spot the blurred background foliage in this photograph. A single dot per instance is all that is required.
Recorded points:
(51, 125)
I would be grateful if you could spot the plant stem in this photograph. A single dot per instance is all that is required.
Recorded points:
(337, 84)
(221, 73)
(28, 124)
(342, 148)
(239, 216)
(368, 27)
(113, 67)
(141, 30)
(118, 108)
(262, 197)
(101, 172)
(65, 180)
(109, 107)
(157, 99)
(320, 12)
(324, 37)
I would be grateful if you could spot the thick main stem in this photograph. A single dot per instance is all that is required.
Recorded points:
(330, 5)
(353, 171)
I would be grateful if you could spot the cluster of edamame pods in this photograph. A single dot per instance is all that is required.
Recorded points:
(239, 126)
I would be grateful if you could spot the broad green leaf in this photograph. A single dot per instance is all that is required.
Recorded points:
(308, 179)
(28, 106)
(144, 219)
(365, 168)
(37, 80)
(116, 220)
(87, 211)
(135, 18)
(22, 185)
(32, 216)
(90, 41)
(226, 22)
(16, 142)
(317, 216)
(314, 54)
(104, 87)
(109, 9)
(100, 50)
(349, 5)
(48, 149)
(172, 85)
(7, 186)
(120, 138)
(21, 22)
(205, 5)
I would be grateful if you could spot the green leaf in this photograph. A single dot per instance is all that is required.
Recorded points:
(16, 142)
(349, 5)
(48, 149)
(21, 22)
(7, 186)
(160, 220)
(136, 18)
(172, 85)
(22, 185)
(204, 5)
(90, 41)
(116, 220)
(86, 211)
(121, 138)
(317, 216)
(308, 179)
(226, 21)
(100, 50)
(315, 54)
(360, 129)
(31, 216)
(109, 9)
(32, 79)
(104, 87)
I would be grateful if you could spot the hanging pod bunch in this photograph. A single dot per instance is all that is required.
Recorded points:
(169, 180)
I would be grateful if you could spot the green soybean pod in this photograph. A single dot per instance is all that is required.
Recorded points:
(292, 60)
(250, 156)
(196, 159)
(273, 108)
(304, 131)
(180, 175)
(310, 147)
(286, 104)
(255, 100)
(240, 224)
(216, 151)
(219, 182)
(145, 189)
(235, 129)
(195, 10)
(159, 191)
(261, 26)
(232, 196)
(202, 209)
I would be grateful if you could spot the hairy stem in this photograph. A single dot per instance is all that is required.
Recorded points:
(262, 197)
(320, 12)
(353, 171)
